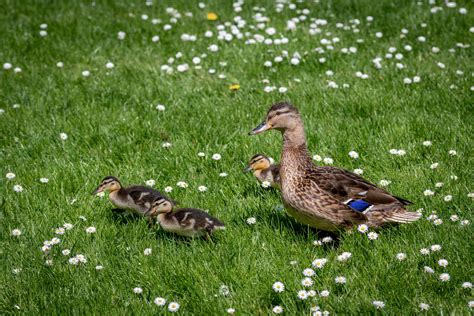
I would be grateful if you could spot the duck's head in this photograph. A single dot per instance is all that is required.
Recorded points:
(258, 162)
(281, 116)
(160, 205)
(109, 184)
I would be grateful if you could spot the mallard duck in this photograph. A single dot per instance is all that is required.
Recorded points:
(327, 198)
(136, 198)
(188, 222)
(263, 170)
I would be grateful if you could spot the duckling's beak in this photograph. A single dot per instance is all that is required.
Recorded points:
(97, 190)
(248, 169)
(260, 129)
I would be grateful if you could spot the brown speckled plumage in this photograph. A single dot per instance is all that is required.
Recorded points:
(315, 195)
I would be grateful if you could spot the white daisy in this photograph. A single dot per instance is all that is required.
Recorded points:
(159, 301)
(278, 287)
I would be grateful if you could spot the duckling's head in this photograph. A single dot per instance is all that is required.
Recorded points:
(109, 183)
(258, 162)
(281, 116)
(161, 205)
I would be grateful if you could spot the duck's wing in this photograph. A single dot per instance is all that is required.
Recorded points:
(190, 217)
(142, 195)
(344, 185)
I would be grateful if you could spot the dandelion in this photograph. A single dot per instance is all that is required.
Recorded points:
(372, 236)
(251, 220)
(63, 136)
(401, 256)
(147, 251)
(424, 306)
(443, 263)
(91, 230)
(278, 287)
(234, 87)
(340, 280)
(150, 182)
(15, 232)
(17, 188)
(10, 175)
(307, 282)
(378, 304)
(444, 277)
(302, 295)
(277, 309)
(216, 157)
(362, 228)
(137, 290)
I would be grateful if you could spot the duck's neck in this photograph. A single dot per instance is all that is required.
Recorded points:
(295, 152)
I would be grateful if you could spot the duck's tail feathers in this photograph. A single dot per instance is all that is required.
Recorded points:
(405, 217)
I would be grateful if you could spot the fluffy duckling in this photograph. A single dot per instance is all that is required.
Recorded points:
(188, 222)
(327, 198)
(136, 198)
(263, 170)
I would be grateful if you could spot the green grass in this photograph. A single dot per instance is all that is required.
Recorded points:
(114, 128)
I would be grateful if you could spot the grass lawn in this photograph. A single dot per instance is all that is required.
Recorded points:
(393, 81)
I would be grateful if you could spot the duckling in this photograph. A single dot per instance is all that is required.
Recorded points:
(327, 198)
(136, 198)
(263, 170)
(188, 222)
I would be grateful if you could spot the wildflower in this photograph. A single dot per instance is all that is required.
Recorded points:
(443, 263)
(344, 256)
(7, 66)
(438, 221)
(328, 161)
(86, 73)
(182, 184)
(464, 222)
(454, 218)
(251, 220)
(73, 261)
(10, 175)
(15, 232)
(49, 262)
(372, 236)
(224, 290)
(121, 35)
(308, 272)
(150, 182)
(319, 263)
(448, 198)
(353, 154)
(434, 165)
(358, 171)
(340, 280)
(216, 157)
(138, 290)
(213, 48)
(327, 239)
(444, 277)
(160, 107)
(306, 282)
(435, 248)
(277, 309)
(427, 143)
(230, 311)
(362, 228)
(282, 89)
(63, 136)
(159, 301)
(401, 256)
(424, 306)
(201, 154)
(17, 188)
(66, 252)
(99, 267)
(302, 295)
(202, 188)
(91, 230)
(424, 251)
(234, 87)
(384, 182)
(266, 184)
(467, 285)
(439, 184)
(211, 16)
(317, 158)
(278, 287)
(428, 193)
(168, 189)
(147, 251)
(378, 304)
(324, 293)
(452, 152)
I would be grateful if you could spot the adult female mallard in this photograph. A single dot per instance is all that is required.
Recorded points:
(264, 170)
(326, 198)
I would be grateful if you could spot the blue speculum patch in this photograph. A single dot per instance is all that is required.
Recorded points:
(359, 205)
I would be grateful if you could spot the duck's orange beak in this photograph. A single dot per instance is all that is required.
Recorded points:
(260, 128)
